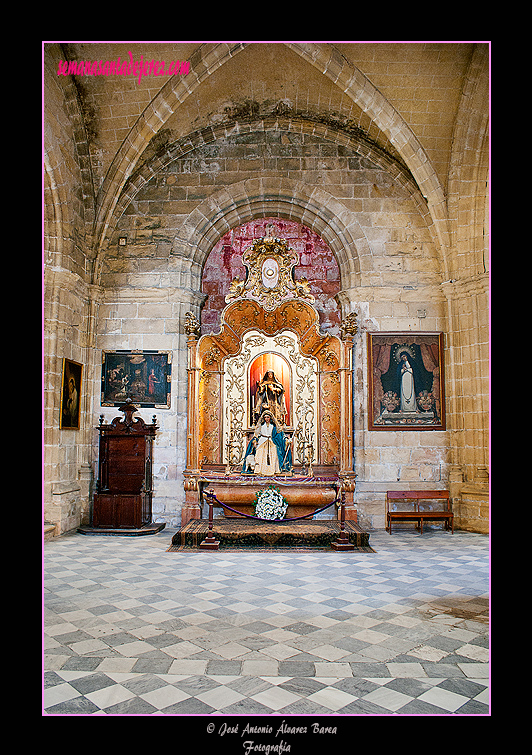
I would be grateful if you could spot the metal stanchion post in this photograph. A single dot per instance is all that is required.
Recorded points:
(210, 543)
(342, 543)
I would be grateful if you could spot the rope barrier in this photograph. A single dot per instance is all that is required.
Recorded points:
(261, 519)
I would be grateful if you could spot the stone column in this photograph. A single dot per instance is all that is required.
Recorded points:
(192, 508)
(468, 389)
(349, 328)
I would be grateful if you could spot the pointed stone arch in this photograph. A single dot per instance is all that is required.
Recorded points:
(208, 58)
(204, 137)
(327, 59)
(280, 197)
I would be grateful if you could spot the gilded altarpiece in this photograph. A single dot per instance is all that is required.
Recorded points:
(269, 329)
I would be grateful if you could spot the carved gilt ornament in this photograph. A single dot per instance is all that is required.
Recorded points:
(270, 278)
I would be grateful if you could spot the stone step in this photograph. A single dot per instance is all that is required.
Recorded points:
(238, 532)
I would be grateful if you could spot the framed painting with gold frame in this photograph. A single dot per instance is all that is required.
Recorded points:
(406, 381)
(142, 376)
(70, 395)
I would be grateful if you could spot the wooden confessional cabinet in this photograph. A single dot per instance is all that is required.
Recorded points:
(124, 489)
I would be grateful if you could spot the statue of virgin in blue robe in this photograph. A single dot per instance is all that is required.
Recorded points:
(268, 452)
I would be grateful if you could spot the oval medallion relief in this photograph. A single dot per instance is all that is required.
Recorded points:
(270, 273)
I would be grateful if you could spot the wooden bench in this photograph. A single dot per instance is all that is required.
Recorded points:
(415, 514)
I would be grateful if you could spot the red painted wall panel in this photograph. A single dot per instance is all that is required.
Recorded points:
(317, 264)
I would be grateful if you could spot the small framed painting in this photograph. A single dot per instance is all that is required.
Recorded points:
(406, 381)
(70, 395)
(142, 376)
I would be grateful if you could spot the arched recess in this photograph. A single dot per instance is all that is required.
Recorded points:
(208, 58)
(317, 265)
(280, 197)
(204, 137)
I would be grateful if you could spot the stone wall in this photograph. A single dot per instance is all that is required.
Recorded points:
(143, 182)
(393, 282)
(67, 309)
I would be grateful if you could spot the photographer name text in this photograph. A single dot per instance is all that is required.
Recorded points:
(251, 746)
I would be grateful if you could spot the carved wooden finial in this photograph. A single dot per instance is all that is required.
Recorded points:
(349, 326)
(192, 325)
(129, 408)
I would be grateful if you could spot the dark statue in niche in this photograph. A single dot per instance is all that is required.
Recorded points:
(270, 395)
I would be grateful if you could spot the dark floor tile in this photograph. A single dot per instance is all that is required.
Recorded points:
(339, 615)
(91, 683)
(248, 685)
(229, 668)
(161, 640)
(297, 668)
(305, 685)
(441, 670)
(195, 685)
(71, 637)
(362, 707)
(463, 686)
(356, 687)
(409, 686)
(350, 643)
(255, 643)
(303, 707)
(189, 707)
(420, 707)
(300, 627)
(119, 638)
(78, 706)
(141, 684)
(370, 670)
(81, 663)
(247, 706)
(473, 708)
(160, 665)
(134, 707)
(51, 679)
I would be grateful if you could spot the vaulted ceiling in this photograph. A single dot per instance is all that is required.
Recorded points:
(405, 104)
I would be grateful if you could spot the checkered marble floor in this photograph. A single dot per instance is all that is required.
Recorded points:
(130, 629)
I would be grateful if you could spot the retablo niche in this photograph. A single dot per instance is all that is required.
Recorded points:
(269, 395)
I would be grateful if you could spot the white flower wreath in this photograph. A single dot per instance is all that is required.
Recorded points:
(270, 503)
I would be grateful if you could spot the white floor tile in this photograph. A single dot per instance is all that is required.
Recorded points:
(276, 698)
(165, 696)
(220, 697)
(59, 694)
(108, 696)
(387, 698)
(331, 698)
(443, 698)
